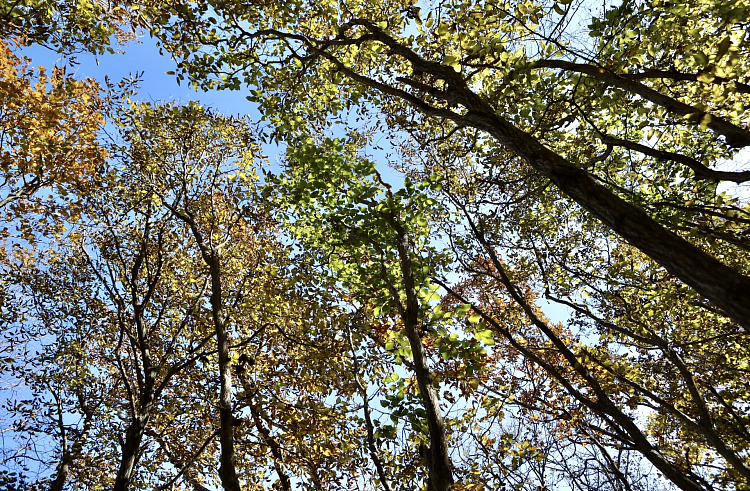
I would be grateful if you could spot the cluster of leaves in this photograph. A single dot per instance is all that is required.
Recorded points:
(116, 325)
(49, 132)
(75, 26)
(578, 167)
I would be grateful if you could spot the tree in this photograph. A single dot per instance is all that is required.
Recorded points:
(122, 285)
(125, 298)
(70, 27)
(50, 123)
(336, 330)
(625, 126)
(118, 355)
(378, 256)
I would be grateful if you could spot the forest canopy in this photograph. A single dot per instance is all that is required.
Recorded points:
(467, 245)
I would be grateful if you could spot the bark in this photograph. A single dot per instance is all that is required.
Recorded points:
(276, 451)
(438, 460)
(211, 257)
(726, 288)
(227, 470)
(131, 449)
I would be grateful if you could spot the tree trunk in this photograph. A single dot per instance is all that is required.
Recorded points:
(130, 452)
(725, 287)
(131, 449)
(211, 257)
(227, 470)
(438, 460)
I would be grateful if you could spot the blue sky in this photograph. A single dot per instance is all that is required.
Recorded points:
(156, 86)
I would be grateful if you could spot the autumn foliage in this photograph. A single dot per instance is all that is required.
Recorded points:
(469, 245)
(49, 130)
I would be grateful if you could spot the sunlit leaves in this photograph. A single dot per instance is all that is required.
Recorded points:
(49, 128)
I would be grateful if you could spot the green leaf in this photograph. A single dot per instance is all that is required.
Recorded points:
(701, 59)
(462, 310)
(486, 337)
(723, 47)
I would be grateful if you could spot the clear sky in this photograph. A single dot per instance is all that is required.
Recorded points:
(156, 86)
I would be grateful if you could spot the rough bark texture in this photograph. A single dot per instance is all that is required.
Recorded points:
(438, 460)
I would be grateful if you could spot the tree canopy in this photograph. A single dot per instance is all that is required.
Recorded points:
(553, 291)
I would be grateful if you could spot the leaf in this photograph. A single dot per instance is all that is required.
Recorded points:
(452, 62)
(701, 59)
(723, 47)
(486, 337)
(706, 77)
(462, 310)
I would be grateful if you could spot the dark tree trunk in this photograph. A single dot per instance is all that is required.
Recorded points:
(131, 449)
(130, 452)
(227, 470)
(438, 460)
